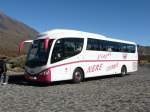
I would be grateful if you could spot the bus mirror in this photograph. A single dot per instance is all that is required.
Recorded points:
(46, 43)
(21, 45)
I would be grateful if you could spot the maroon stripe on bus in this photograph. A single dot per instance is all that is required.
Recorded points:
(88, 61)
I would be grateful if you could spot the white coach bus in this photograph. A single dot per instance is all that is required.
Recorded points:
(59, 54)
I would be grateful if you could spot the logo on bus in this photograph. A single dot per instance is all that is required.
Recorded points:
(124, 56)
(94, 68)
(104, 56)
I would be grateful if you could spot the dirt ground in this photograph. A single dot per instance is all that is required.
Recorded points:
(103, 94)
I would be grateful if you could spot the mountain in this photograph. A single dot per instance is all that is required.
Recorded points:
(11, 33)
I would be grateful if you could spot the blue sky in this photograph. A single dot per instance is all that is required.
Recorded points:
(122, 19)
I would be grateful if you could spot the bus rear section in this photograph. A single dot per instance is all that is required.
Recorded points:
(107, 57)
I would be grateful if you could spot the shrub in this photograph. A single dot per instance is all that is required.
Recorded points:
(144, 59)
(16, 63)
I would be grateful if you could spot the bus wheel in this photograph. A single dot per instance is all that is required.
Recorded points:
(78, 75)
(123, 71)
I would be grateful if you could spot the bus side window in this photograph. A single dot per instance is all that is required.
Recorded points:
(65, 48)
(105, 46)
(131, 48)
(93, 44)
(123, 47)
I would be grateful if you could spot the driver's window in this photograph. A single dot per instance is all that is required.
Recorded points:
(57, 53)
(66, 48)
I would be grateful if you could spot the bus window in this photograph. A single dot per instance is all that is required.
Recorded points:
(37, 55)
(92, 44)
(115, 46)
(123, 47)
(131, 48)
(65, 48)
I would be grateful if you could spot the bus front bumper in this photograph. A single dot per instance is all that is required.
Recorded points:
(38, 78)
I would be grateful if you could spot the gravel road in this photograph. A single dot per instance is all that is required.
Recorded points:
(104, 94)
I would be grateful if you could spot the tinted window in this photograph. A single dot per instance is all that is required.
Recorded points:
(116, 46)
(38, 55)
(123, 47)
(127, 48)
(66, 48)
(131, 48)
(103, 45)
(92, 44)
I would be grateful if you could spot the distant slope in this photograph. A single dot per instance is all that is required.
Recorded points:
(11, 33)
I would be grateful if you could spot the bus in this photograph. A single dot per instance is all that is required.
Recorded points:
(62, 54)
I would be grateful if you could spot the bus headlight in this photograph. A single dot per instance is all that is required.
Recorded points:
(46, 72)
(44, 76)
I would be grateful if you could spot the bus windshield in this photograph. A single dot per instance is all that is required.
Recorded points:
(38, 55)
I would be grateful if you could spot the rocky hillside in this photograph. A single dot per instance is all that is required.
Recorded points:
(11, 33)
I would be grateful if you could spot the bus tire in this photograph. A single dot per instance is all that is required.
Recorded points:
(78, 75)
(123, 71)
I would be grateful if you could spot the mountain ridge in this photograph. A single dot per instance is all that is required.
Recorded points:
(11, 33)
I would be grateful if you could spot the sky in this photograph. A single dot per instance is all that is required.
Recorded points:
(121, 19)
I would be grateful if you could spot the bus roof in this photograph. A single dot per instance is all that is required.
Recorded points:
(59, 33)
